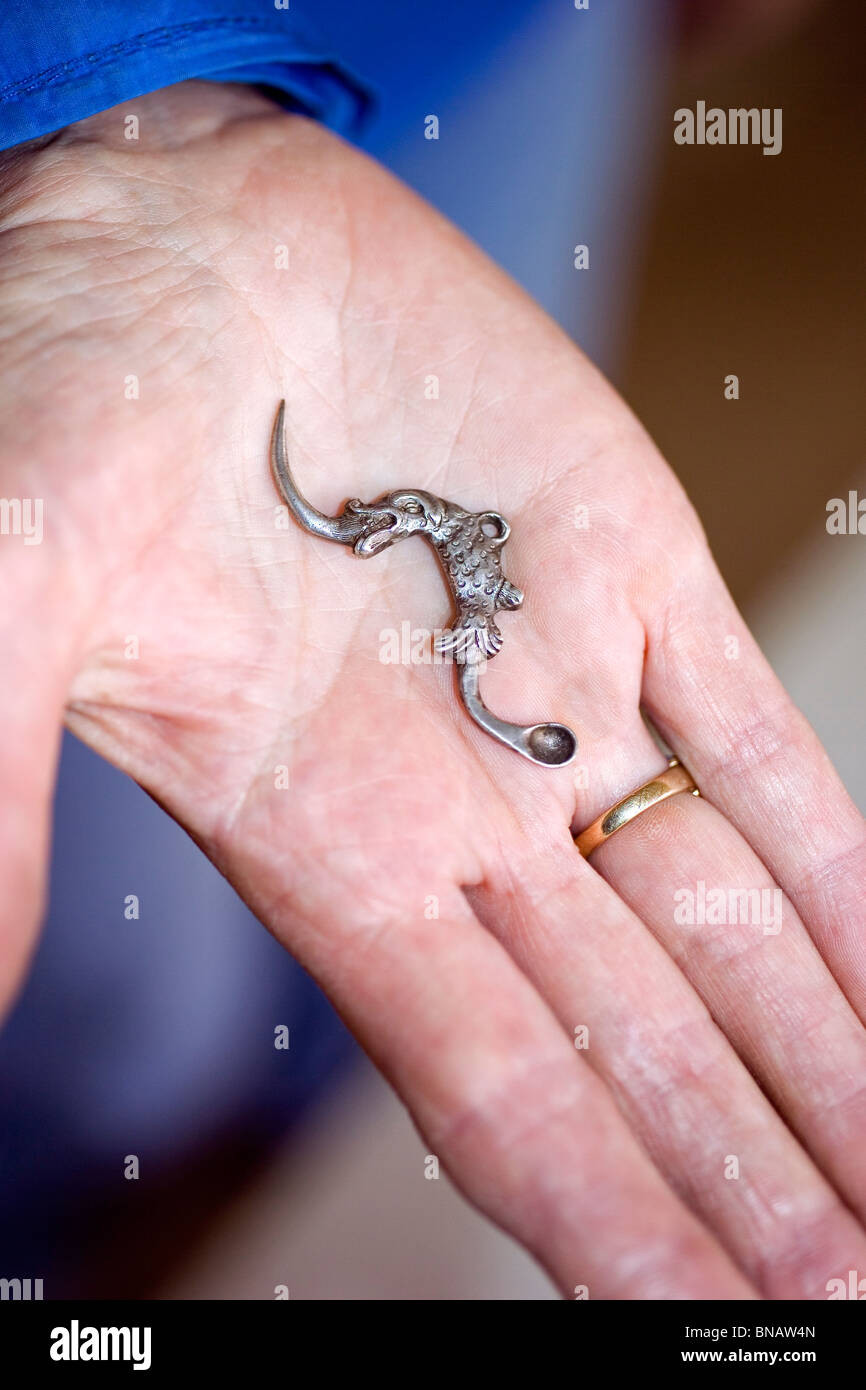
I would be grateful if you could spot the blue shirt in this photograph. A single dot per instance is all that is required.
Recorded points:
(60, 63)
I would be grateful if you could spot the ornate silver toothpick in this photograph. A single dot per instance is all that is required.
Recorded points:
(469, 547)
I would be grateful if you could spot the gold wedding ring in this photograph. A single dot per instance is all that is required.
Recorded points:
(674, 779)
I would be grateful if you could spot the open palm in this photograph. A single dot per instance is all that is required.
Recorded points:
(161, 297)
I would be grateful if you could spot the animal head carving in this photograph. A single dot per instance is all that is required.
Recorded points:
(395, 517)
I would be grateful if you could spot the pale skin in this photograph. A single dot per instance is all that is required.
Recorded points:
(259, 649)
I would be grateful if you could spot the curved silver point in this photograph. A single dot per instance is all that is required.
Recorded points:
(345, 529)
(550, 745)
(370, 528)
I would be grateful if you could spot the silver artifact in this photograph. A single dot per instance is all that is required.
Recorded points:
(469, 546)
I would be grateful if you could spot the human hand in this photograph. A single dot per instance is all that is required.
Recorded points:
(259, 649)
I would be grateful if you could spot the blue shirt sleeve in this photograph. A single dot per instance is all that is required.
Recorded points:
(61, 63)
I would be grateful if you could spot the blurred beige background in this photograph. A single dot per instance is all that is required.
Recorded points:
(754, 266)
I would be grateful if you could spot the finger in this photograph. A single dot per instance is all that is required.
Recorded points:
(714, 907)
(33, 685)
(524, 1127)
(677, 1079)
(714, 697)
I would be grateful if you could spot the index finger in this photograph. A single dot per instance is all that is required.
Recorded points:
(524, 1126)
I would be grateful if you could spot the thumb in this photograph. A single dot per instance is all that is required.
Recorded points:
(35, 656)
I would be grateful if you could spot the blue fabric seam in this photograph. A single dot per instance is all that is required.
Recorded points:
(154, 38)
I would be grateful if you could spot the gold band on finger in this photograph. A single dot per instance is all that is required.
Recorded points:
(674, 779)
